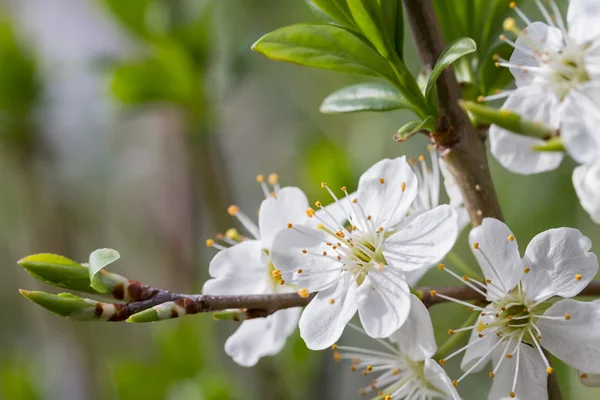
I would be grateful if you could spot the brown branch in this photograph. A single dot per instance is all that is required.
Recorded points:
(462, 147)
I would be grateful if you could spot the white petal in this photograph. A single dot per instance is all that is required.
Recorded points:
(386, 202)
(452, 189)
(318, 271)
(240, 269)
(413, 277)
(555, 257)
(437, 377)
(322, 321)
(579, 123)
(515, 152)
(590, 380)
(545, 37)
(415, 338)
(496, 248)
(334, 214)
(275, 213)
(422, 241)
(532, 379)
(260, 337)
(575, 341)
(383, 303)
(483, 345)
(582, 18)
(586, 180)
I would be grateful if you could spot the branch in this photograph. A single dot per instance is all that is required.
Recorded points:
(463, 148)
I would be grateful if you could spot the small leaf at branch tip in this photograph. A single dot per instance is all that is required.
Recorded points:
(99, 259)
(63, 304)
(149, 315)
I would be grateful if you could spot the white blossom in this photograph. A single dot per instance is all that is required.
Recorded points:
(361, 266)
(404, 368)
(586, 180)
(530, 309)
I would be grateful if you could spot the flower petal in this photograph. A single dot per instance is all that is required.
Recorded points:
(437, 377)
(275, 213)
(415, 338)
(483, 345)
(575, 341)
(560, 264)
(317, 271)
(582, 18)
(590, 380)
(240, 269)
(544, 37)
(323, 321)
(532, 379)
(383, 303)
(494, 246)
(579, 123)
(260, 337)
(388, 202)
(586, 180)
(516, 152)
(423, 240)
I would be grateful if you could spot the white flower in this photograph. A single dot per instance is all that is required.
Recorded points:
(428, 195)
(586, 180)
(526, 313)
(556, 71)
(404, 368)
(361, 267)
(245, 268)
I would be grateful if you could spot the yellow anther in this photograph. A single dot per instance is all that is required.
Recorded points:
(281, 282)
(387, 397)
(304, 251)
(334, 347)
(511, 238)
(488, 281)
(512, 394)
(299, 270)
(497, 64)
(455, 383)
(340, 234)
(403, 186)
(337, 356)
(260, 178)
(495, 57)
(352, 368)
(549, 370)
(289, 225)
(381, 180)
(318, 204)
(526, 270)
(440, 267)
(480, 99)
(506, 113)
(355, 200)
(355, 361)
(364, 372)
(331, 301)
(210, 243)
(476, 245)
(362, 392)
(380, 392)
(303, 293)
(578, 277)
(276, 273)
(233, 210)
(324, 253)
(430, 147)
(273, 178)
(465, 278)
(380, 229)
(396, 372)
(509, 24)
(512, 4)
(422, 157)
(583, 376)
(492, 374)
(480, 326)
(443, 362)
(450, 331)
(369, 368)
(567, 316)
(369, 217)
(320, 226)
(433, 293)
(310, 212)
(502, 37)
(509, 356)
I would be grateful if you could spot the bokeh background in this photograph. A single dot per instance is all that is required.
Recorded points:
(133, 125)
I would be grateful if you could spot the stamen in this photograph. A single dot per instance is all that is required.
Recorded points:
(481, 360)
(304, 293)
(477, 247)
(211, 243)
(260, 178)
(465, 281)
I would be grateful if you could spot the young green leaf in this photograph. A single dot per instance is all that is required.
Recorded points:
(64, 304)
(365, 97)
(58, 271)
(337, 10)
(399, 34)
(368, 15)
(99, 259)
(453, 52)
(414, 127)
(323, 46)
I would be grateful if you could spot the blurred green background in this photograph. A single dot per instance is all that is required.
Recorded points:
(133, 125)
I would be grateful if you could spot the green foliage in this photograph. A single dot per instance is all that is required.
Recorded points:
(99, 259)
(64, 304)
(337, 10)
(17, 380)
(374, 21)
(58, 271)
(412, 128)
(132, 14)
(379, 96)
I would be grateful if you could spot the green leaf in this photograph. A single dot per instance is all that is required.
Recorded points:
(99, 259)
(453, 52)
(58, 271)
(323, 46)
(491, 77)
(414, 127)
(64, 304)
(337, 10)
(508, 120)
(399, 34)
(132, 14)
(368, 15)
(365, 97)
